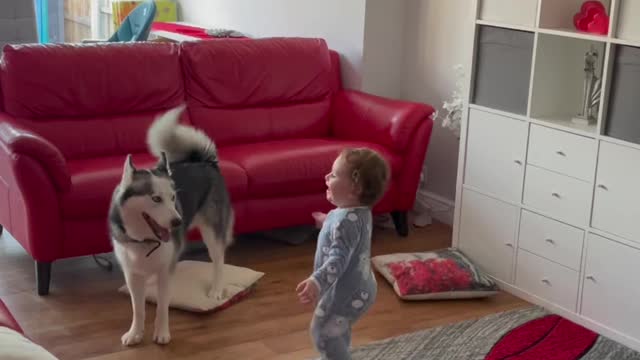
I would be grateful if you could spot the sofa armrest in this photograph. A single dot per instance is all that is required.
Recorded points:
(391, 123)
(16, 140)
(32, 175)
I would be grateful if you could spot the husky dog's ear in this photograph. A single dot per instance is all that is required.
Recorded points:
(129, 169)
(163, 165)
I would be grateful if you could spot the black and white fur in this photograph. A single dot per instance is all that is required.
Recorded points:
(152, 209)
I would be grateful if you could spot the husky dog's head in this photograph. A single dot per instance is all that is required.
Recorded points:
(147, 201)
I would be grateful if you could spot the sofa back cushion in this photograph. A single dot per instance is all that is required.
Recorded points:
(91, 100)
(259, 89)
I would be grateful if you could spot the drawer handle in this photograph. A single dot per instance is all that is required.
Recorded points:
(590, 277)
(517, 162)
(561, 153)
(508, 244)
(545, 281)
(603, 187)
(550, 241)
(555, 195)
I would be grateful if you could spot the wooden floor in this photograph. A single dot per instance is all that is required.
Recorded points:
(84, 316)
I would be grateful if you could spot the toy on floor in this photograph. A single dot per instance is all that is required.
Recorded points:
(190, 285)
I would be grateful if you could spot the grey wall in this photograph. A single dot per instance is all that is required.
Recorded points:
(17, 22)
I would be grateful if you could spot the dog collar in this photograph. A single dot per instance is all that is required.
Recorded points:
(157, 243)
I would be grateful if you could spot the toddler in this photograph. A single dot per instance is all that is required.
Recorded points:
(342, 285)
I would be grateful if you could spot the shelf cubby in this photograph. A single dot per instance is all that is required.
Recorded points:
(558, 79)
(519, 13)
(622, 117)
(558, 14)
(503, 69)
(628, 25)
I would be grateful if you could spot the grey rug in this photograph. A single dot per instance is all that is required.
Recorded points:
(473, 340)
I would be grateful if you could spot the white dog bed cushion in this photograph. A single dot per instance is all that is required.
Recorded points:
(440, 274)
(191, 282)
(15, 346)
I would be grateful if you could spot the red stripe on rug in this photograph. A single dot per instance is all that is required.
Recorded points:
(523, 337)
(551, 337)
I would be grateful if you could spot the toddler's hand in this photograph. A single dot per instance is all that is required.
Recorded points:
(308, 291)
(319, 217)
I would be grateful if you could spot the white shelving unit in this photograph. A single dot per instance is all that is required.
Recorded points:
(551, 208)
(556, 93)
(628, 27)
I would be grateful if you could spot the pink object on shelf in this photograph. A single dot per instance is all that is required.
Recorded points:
(187, 30)
(592, 18)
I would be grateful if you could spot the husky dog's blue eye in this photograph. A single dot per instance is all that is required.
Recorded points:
(156, 199)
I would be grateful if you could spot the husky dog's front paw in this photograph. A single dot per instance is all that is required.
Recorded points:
(132, 337)
(217, 294)
(161, 336)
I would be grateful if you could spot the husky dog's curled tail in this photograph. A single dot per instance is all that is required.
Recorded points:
(179, 142)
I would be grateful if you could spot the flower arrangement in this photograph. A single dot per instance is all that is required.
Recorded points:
(454, 106)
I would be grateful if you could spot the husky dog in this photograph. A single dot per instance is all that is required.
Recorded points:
(152, 210)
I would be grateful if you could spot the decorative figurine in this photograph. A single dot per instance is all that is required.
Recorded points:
(590, 91)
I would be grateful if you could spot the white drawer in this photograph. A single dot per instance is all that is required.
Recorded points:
(547, 280)
(616, 205)
(563, 152)
(560, 196)
(551, 239)
(495, 164)
(610, 291)
(487, 233)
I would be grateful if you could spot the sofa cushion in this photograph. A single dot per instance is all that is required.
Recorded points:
(228, 73)
(293, 167)
(93, 182)
(257, 90)
(434, 275)
(99, 135)
(251, 125)
(69, 80)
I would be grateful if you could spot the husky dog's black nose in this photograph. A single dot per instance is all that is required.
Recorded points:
(176, 222)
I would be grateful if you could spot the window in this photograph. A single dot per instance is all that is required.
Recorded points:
(104, 23)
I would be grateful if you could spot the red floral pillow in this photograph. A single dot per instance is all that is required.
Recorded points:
(442, 274)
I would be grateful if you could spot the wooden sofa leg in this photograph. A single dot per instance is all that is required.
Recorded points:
(43, 277)
(401, 222)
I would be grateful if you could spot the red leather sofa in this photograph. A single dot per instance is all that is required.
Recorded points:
(275, 107)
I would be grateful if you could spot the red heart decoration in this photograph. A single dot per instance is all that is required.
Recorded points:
(592, 5)
(580, 21)
(599, 25)
(585, 19)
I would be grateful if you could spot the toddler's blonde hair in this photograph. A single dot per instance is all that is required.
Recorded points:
(369, 171)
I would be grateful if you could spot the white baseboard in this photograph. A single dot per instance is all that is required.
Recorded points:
(440, 207)
(572, 316)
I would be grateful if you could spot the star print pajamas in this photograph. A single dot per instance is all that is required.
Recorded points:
(343, 274)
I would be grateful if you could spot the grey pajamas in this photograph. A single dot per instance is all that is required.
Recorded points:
(342, 271)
